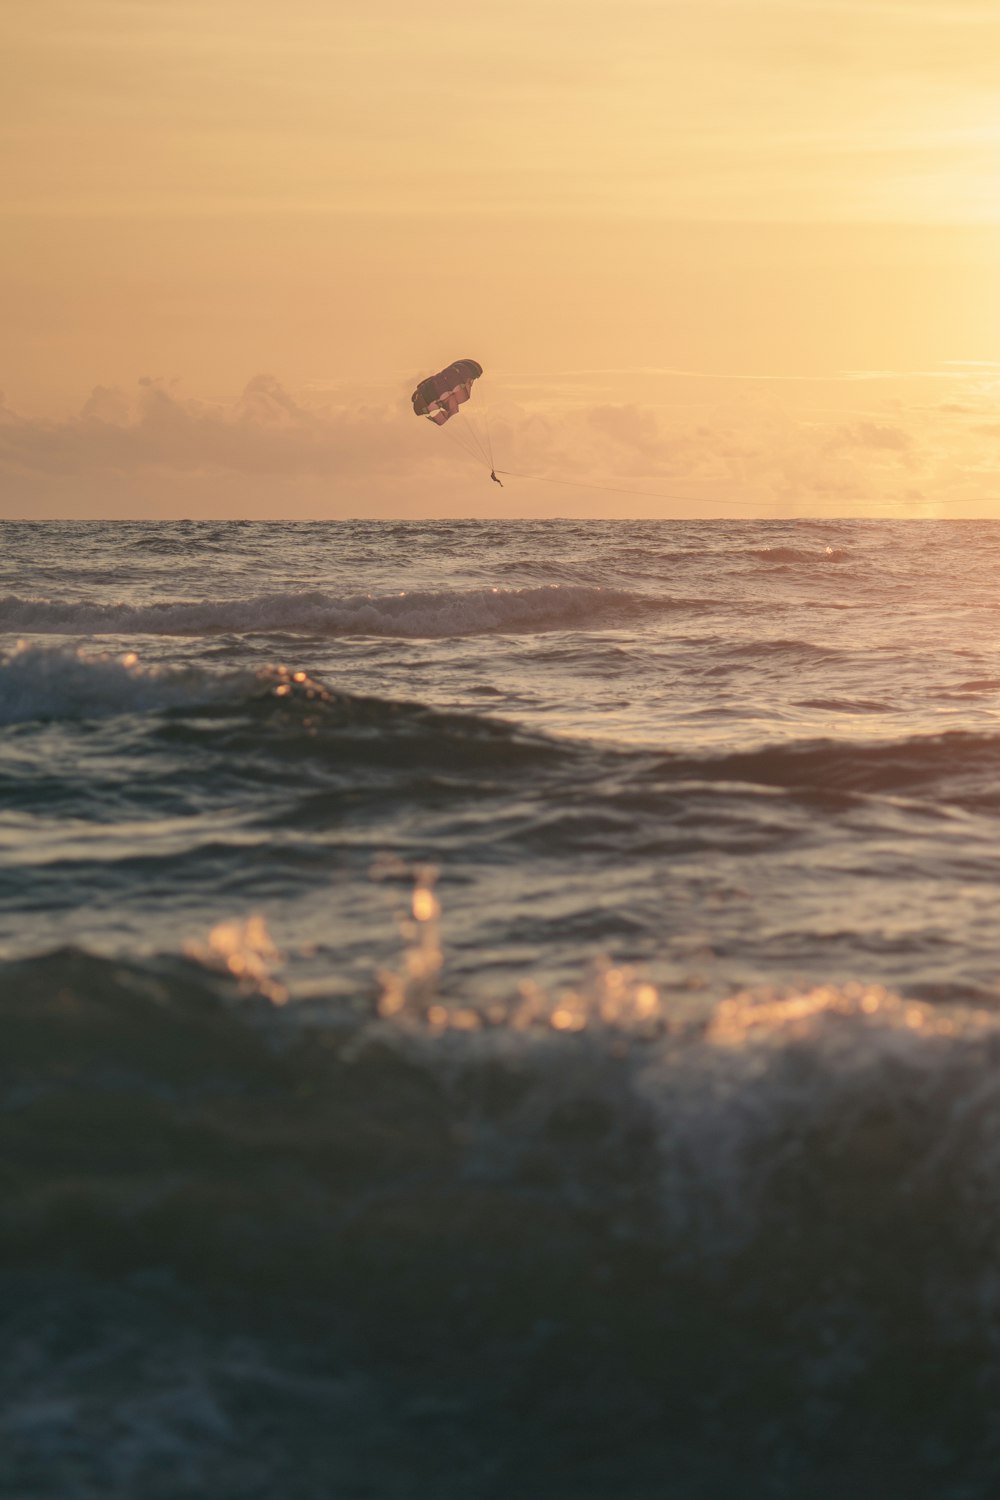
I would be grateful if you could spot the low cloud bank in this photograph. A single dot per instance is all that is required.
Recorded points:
(274, 450)
(265, 432)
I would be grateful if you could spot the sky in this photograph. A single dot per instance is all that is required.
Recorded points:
(716, 257)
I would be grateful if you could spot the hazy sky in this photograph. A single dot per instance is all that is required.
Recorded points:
(736, 256)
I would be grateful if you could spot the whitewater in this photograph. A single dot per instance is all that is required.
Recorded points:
(499, 1008)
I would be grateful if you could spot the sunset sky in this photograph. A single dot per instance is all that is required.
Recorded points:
(717, 257)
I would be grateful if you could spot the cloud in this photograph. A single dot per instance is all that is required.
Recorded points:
(155, 451)
(266, 431)
(872, 435)
(630, 426)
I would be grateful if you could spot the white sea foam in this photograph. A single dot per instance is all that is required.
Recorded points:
(417, 612)
(58, 682)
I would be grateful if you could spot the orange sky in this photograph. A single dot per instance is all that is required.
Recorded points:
(741, 253)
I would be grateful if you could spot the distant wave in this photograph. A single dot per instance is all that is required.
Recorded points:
(759, 651)
(955, 766)
(800, 554)
(847, 705)
(418, 612)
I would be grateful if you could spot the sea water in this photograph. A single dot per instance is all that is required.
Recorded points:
(500, 1009)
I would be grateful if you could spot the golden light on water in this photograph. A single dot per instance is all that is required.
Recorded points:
(614, 999)
(751, 1016)
(564, 1018)
(616, 1006)
(647, 1001)
(425, 904)
(247, 952)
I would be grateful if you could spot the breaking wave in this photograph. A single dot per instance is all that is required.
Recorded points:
(589, 1210)
(52, 682)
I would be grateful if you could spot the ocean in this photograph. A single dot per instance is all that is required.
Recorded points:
(500, 1009)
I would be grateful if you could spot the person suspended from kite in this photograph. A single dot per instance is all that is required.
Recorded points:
(438, 398)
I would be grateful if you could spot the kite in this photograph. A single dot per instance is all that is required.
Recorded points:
(439, 396)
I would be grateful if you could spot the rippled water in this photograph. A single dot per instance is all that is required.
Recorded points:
(500, 1008)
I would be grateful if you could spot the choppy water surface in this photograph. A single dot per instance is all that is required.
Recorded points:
(500, 1008)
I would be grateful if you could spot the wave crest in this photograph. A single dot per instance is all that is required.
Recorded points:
(414, 612)
(57, 682)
